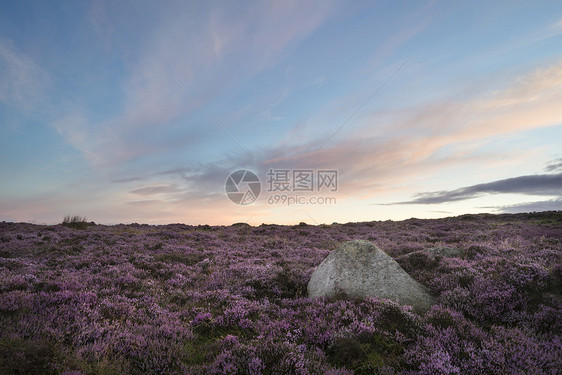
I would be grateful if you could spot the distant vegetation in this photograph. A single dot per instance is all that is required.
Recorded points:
(75, 221)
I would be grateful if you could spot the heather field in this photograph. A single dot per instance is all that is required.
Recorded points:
(178, 299)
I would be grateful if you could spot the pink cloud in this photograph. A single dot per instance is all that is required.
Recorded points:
(204, 56)
(422, 140)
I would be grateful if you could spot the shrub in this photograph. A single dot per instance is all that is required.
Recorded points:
(75, 222)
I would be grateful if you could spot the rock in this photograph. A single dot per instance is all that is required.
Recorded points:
(444, 251)
(360, 269)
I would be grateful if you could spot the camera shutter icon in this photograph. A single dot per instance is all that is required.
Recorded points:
(243, 187)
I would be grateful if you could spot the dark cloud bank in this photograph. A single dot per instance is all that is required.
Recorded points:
(543, 184)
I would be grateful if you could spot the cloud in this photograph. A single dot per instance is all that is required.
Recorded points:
(554, 165)
(527, 102)
(22, 81)
(214, 59)
(206, 55)
(127, 179)
(414, 25)
(546, 184)
(387, 148)
(378, 152)
(553, 30)
(549, 205)
(549, 31)
(74, 127)
(374, 156)
(153, 190)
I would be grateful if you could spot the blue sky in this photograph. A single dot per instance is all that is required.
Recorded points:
(139, 111)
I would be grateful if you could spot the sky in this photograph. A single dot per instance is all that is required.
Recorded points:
(339, 111)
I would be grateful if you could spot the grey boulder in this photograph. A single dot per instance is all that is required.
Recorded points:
(360, 269)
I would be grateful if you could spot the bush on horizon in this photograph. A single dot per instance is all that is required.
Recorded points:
(75, 222)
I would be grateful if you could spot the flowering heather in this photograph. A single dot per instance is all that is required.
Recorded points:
(180, 299)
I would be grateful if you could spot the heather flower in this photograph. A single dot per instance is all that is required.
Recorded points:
(142, 299)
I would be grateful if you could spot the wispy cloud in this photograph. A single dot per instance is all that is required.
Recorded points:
(553, 30)
(387, 149)
(415, 24)
(208, 65)
(422, 140)
(558, 25)
(206, 56)
(127, 179)
(374, 157)
(155, 190)
(22, 81)
(554, 165)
